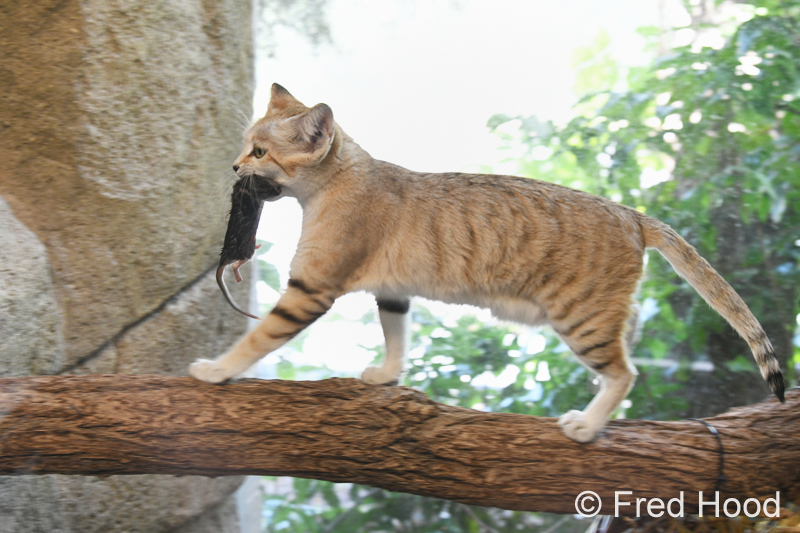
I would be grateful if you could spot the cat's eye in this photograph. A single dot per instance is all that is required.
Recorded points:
(259, 152)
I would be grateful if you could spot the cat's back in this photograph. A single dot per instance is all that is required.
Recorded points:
(492, 192)
(487, 229)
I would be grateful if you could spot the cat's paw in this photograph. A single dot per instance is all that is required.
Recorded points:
(377, 375)
(209, 371)
(577, 427)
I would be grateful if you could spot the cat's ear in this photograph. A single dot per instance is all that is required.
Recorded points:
(314, 128)
(280, 99)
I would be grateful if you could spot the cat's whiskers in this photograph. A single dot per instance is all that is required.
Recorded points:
(222, 188)
(245, 119)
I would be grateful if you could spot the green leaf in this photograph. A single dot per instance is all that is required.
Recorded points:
(269, 275)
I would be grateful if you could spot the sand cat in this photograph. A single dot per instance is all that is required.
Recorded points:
(533, 252)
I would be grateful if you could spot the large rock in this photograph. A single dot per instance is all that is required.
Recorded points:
(118, 125)
(194, 322)
(29, 315)
(130, 504)
(222, 518)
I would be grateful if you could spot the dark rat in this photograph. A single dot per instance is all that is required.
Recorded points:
(247, 200)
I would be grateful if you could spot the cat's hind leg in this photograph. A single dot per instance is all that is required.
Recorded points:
(395, 321)
(616, 380)
(600, 345)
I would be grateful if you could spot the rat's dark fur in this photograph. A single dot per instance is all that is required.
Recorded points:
(247, 200)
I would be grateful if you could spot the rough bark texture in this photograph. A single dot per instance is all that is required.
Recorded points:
(391, 437)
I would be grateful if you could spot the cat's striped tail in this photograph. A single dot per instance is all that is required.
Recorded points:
(718, 293)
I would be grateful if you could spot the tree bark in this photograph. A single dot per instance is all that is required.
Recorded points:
(395, 438)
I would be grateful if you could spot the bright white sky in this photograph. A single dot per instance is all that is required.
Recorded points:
(415, 81)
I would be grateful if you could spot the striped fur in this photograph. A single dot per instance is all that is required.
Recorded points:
(532, 251)
(718, 294)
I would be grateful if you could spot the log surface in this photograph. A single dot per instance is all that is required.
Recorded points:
(396, 438)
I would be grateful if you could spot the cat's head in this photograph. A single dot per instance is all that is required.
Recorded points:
(288, 144)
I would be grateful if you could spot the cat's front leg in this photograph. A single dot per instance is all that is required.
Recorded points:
(395, 321)
(299, 306)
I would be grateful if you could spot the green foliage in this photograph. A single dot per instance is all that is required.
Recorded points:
(266, 270)
(597, 70)
(483, 367)
(705, 140)
(444, 354)
(321, 507)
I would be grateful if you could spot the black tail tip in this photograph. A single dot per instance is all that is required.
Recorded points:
(776, 383)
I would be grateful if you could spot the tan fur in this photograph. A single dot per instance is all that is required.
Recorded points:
(532, 251)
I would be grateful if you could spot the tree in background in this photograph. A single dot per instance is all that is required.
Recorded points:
(705, 139)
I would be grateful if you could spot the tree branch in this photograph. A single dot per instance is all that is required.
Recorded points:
(395, 438)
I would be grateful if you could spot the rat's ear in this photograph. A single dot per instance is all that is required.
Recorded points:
(314, 128)
(280, 99)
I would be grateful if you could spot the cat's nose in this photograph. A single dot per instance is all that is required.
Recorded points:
(235, 168)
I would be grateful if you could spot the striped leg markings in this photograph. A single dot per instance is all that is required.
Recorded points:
(394, 305)
(298, 307)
